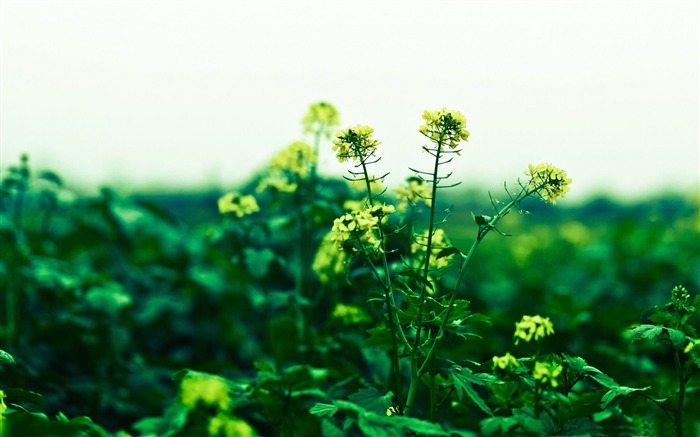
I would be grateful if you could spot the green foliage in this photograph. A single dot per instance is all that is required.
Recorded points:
(106, 299)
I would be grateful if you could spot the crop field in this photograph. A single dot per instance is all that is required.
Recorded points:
(307, 305)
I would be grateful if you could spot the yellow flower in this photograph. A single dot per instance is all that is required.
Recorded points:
(296, 159)
(354, 143)
(414, 191)
(238, 204)
(445, 127)
(359, 227)
(691, 345)
(438, 243)
(350, 314)
(322, 117)
(505, 362)
(532, 326)
(548, 181)
(547, 372)
(229, 426)
(329, 261)
(209, 390)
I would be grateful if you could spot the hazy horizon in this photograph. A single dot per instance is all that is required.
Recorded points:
(201, 94)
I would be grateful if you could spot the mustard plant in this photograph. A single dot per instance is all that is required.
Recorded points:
(419, 312)
(672, 325)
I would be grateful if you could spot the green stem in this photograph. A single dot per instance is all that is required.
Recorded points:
(681, 384)
(392, 317)
(415, 353)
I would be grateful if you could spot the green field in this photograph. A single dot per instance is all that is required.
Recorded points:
(158, 315)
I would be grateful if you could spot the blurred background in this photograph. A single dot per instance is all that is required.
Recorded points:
(171, 96)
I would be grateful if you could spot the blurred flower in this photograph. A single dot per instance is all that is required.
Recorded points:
(350, 314)
(290, 165)
(354, 143)
(229, 426)
(445, 127)
(297, 159)
(547, 372)
(505, 362)
(329, 260)
(241, 205)
(548, 181)
(209, 390)
(532, 326)
(413, 191)
(437, 244)
(691, 345)
(322, 117)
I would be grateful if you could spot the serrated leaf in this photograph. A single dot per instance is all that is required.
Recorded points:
(379, 337)
(463, 378)
(372, 399)
(323, 410)
(649, 332)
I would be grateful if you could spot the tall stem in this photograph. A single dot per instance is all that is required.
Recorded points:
(415, 353)
(386, 283)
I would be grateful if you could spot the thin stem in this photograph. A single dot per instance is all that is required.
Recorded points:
(392, 318)
(415, 354)
(681, 384)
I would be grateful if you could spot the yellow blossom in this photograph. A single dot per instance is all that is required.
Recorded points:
(209, 390)
(547, 372)
(505, 362)
(413, 191)
(350, 314)
(445, 127)
(359, 227)
(548, 181)
(438, 243)
(241, 205)
(532, 326)
(322, 117)
(691, 345)
(354, 143)
(228, 426)
(329, 261)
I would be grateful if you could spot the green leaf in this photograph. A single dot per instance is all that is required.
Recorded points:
(448, 251)
(258, 261)
(110, 298)
(323, 410)
(372, 399)
(616, 392)
(463, 378)
(6, 360)
(379, 337)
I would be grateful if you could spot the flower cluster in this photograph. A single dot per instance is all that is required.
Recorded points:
(547, 372)
(437, 244)
(350, 314)
(209, 390)
(445, 127)
(322, 117)
(359, 226)
(548, 181)
(360, 185)
(505, 362)
(532, 326)
(241, 205)
(414, 191)
(354, 143)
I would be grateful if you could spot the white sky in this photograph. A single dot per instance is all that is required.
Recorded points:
(181, 94)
